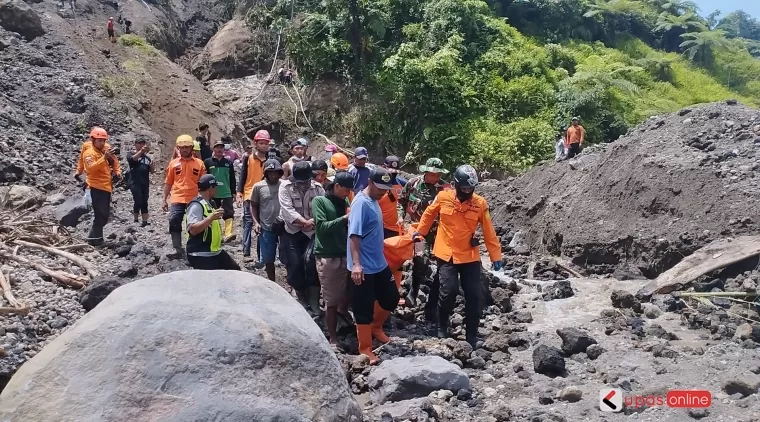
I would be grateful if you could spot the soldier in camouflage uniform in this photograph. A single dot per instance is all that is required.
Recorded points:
(418, 193)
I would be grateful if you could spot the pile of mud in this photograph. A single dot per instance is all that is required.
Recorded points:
(639, 205)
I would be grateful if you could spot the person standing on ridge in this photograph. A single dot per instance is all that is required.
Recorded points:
(204, 230)
(457, 248)
(265, 208)
(111, 32)
(204, 139)
(331, 225)
(224, 173)
(251, 173)
(140, 168)
(296, 194)
(415, 197)
(359, 169)
(180, 187)
(101, 166)
(374, 295)
(574, 139)
(298, 154)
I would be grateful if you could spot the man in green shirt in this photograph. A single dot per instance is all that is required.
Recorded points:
(224, 172)
(331, 224)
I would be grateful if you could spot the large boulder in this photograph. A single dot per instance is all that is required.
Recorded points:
(412, 377)
(17, 16)
(186, 346)
(69, 213)
(231, 53)
(20, 196)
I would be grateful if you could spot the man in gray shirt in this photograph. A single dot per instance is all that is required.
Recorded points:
(265, 208)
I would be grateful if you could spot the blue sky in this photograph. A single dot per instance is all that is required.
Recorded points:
(726, 6)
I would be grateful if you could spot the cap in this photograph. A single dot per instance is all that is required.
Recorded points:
(273, 165)
(219, 142)
(303, 142)
(302, 171)
(319, 165)
(576, 118)
(380, 177)
(331, 148)
(141, 141)
(345, 179)
(296, 144)
(261, 135)
(392, 163)
(207, 181)
(360, 152)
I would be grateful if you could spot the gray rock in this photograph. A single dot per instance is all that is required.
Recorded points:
(559, 290)
(502, 299)
(165, 342)
(69, 213)
(747, 331)
(477, 362)
(17, 16)
(97, 290)
(413, 409)
(740, 386)
(570, 394)
(698, 413)
(522, 317)
(518, 244)
(622, 299)
(575, 340)
(20, 196)
(58, 322)
(497, 342)
(411, 377)
(594, 351)
(651, 311)
(548, 360)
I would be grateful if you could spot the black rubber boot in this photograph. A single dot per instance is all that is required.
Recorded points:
(95, 238)
(179, 252)
(443, 326)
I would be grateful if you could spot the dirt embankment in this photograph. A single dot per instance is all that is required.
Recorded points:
(642, 203)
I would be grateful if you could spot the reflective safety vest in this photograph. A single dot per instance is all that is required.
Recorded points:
(210, 241)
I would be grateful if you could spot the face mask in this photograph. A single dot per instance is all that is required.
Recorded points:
(295, 158)
(464, 196)
(228, 146)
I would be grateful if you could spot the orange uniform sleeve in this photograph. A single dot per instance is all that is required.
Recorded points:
(92, 163)
(489, 234)
(429, 216)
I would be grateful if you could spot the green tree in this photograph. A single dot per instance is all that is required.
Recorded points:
(699, 46)
(673, 26)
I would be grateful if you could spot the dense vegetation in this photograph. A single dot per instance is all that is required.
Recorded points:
(491, 82)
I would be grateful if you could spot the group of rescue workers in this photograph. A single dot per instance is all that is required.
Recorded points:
(329, 221)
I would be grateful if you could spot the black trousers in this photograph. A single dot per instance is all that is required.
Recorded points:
(295, 264)
(140, 195)
(573, 150)
(227, 205)
(378, 287)
(468, 275)
(101, 206)
(176, 217)
(222, 261)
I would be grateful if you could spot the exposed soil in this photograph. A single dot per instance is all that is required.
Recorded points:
(640, 204)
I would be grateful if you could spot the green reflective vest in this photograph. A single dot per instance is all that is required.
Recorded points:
(209, 242)
(224, 173)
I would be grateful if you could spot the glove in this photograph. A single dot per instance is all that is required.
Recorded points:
(497, 265)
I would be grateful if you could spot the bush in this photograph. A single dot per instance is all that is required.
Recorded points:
(132, 40)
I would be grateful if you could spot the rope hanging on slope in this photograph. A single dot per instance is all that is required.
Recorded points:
(271, 71)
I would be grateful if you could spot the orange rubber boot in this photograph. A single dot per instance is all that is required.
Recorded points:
(380, 315)
(364, 334)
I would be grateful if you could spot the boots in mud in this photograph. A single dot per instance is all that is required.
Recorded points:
(179, 251)
(443, 326)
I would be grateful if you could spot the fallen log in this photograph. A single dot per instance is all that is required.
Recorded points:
(567, 268)
(6, 286)
(19, 311)
(85, 264)
(61, 278)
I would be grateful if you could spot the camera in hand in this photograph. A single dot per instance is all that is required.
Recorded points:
(116, 150)
(474, 240)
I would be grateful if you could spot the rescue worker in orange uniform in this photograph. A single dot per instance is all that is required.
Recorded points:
(102, 167)
(181, 183)
(393, 225)
(251, 173)
(574, 138)
(457, 248)
(85, 146)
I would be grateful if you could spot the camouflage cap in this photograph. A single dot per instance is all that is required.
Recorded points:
(433, 165)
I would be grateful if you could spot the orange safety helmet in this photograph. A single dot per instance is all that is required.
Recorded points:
(262, 135)
(339, 161)
(98, 133)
